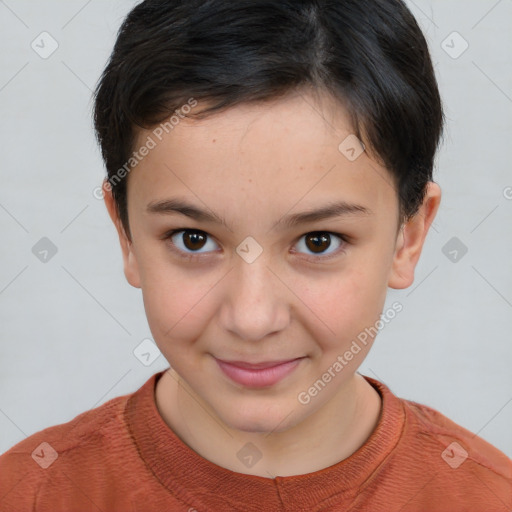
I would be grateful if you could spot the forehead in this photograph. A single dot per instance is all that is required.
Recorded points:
(260, 158)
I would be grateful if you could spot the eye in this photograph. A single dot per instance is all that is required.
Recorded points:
(319, 241)
(184, 240)
(188, 243)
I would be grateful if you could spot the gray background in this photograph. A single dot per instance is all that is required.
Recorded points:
(70, 325)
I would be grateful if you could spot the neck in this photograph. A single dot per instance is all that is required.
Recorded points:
(324, 438)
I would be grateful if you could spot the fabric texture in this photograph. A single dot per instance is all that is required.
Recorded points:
(122, 456)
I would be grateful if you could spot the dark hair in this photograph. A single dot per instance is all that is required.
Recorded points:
(370, 55)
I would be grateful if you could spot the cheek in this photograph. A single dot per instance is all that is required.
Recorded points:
(176, 310)
(176, 302)
(346, 304)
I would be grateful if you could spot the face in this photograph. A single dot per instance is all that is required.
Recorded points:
(251, 279)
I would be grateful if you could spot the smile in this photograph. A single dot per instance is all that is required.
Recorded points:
(258, 375)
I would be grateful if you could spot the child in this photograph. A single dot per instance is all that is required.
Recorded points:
(270, 176)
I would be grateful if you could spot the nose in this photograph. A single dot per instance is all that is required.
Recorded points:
(256, 302)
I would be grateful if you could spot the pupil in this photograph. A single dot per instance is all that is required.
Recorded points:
(318, 240)
(196, 240)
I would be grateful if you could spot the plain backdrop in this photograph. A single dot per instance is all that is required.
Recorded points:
(71, 324)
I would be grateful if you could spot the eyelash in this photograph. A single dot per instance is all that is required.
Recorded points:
(196, 256)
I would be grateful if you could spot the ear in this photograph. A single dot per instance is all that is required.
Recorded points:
(131, 267)
(411, 238)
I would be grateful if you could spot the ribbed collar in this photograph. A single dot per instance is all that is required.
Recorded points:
(199, 482)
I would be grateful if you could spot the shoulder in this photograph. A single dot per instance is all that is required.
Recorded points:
(85, 441)
(69, 436)
(452, 464)
(457, 444)
(437, 464)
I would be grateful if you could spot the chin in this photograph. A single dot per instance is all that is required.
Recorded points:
(260, 419)
(257, 426)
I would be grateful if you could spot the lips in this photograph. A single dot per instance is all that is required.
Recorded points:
(256, 366)
(258, 375)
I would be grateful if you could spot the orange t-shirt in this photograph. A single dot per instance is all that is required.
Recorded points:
(122, 456)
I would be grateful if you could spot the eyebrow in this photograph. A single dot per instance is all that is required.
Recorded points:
(330, 210)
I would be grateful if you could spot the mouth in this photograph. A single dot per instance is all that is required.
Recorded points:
(258, 375)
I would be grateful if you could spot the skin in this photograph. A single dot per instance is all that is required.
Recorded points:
(252, 165)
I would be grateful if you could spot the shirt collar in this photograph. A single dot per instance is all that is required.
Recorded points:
(201, 483)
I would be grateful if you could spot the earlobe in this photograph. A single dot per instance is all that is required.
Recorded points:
(411, 239)
(131, 268)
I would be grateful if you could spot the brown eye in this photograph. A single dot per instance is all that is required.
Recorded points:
(319, 243)
(189, 242)
(193, 240)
